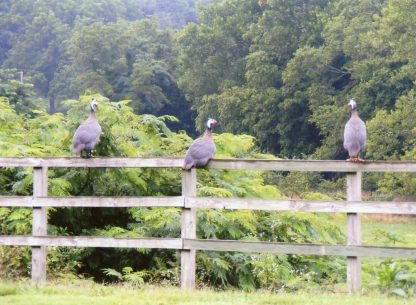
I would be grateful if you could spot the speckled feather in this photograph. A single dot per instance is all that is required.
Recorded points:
(355, 135)
(200, 152)
(87, 135)
(202, 149)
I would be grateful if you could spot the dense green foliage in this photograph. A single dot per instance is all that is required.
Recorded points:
(120, 48)
(128, 134)
(276, 75)
(279, 70)
(283, 71)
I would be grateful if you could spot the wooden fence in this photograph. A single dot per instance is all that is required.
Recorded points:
(188, 244)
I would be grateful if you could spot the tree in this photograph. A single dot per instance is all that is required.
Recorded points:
(354, 61)
(244, 47)
(123, 60)
(392, 134)
(52, 40)
(21, 96)
(213, 51)
(38, 50)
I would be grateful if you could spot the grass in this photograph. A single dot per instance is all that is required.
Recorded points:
(83, 292)
(384, 230)
(393, 232)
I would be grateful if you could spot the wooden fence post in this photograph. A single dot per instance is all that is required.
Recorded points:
(39, 225)
(354, 233)
(188, 263)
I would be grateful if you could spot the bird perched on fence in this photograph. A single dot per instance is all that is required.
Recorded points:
(355, 134)
(202, 149)
(87, 134)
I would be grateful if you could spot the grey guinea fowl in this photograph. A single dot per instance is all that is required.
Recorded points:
(355, 134)
(87, 134)
(202, 149)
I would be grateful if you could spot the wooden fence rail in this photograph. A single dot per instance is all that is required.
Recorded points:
(188, 244)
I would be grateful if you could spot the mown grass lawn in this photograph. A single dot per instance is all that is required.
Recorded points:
(88, 293)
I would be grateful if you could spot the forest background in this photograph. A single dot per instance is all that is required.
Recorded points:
(276, 74)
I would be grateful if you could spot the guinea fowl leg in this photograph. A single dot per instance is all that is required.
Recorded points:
(85, 154)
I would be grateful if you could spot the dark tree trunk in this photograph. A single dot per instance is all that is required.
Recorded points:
(51, 104)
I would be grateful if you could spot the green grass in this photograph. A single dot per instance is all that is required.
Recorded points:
(383, 230)
(87, 293)
(394, 232)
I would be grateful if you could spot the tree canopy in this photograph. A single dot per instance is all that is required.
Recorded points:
(282, 72)
(278, 70)
(120, 48)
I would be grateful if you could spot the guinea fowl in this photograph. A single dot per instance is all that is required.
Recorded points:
(355, 134)
(202, 149)
(87, 134)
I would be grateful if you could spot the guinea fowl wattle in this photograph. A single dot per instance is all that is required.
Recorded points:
(355, 134)
(87, 134)
(202, 149)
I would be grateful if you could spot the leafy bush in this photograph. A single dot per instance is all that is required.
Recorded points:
(394, 277)
(136, 278)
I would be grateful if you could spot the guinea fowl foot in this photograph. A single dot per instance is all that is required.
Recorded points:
(355, 160)
(86, 154)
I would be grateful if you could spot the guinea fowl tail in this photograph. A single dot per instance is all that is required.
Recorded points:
(187, 165)
(77, 148)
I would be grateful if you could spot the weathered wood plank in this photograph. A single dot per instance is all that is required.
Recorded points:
(87, 201)
(300, 249)
(92, 242)
(39, 225)
(369, 207)
(314, 165)
(188, 257)
(92, 162)
(254, 164)
(211, 245)
(354, 233)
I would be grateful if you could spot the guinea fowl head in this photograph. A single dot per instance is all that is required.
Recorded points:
(211, 123)
(352, 105)
(93, 104)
